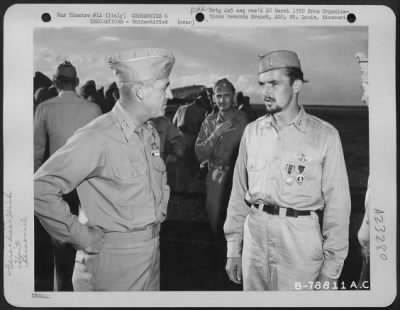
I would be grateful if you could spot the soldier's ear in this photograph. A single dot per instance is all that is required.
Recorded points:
(297, 85)
(138, 90)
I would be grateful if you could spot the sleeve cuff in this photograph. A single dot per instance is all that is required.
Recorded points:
(234, 249)
(86, 236)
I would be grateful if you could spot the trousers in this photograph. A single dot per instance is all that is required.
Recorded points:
(280, 253)
(126, 262)
(219, 186)
(64, 254)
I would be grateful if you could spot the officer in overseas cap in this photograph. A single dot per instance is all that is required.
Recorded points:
(278, 60)
(141, 64)
(312, 166)
(129, 237)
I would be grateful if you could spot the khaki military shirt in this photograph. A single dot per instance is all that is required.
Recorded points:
(188, 118)
(301, 166)
(220, 150)
(57, 119)
(116, 165)
(171, 141)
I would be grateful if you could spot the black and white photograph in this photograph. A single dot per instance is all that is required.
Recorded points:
(208, 158)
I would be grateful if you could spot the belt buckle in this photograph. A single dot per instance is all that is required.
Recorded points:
(282, 212)
(259, 206)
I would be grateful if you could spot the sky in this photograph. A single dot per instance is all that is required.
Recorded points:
(206, 54)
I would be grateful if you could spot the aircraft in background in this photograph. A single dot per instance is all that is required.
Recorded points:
(183, 95)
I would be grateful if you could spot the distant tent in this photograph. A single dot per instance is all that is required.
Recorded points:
(40, 80)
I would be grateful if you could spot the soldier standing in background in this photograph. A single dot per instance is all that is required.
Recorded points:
(55, 122)
(171, 141)
(188, 120)
(218, 143)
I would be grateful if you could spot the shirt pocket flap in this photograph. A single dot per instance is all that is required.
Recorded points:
(127, 168)
(158, 164)
(256, 164)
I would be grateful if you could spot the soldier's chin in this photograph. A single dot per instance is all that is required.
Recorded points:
(225, 108)
(272, 109)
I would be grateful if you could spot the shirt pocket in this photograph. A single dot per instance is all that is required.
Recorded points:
(128, 168)
(161, 182)
(160, 170)
(256, 172)
(301, 179)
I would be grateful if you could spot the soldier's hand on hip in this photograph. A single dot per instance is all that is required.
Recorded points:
(98, 241)
(234, 269)
(224, 128)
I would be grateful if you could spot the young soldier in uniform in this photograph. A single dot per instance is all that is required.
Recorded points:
(290, 164)
(115, 163)
(188, 119)
(218, 143)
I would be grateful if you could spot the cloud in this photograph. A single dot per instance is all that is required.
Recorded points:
(248, 84)
(206, 54)
(206, 79)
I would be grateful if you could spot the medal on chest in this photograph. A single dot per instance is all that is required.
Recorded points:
(289, 171)
(155, 150)
(300, 176)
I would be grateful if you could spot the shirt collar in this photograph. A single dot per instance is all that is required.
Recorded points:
(67, 93)
(220, 118)
(128, 124)
(300, 121)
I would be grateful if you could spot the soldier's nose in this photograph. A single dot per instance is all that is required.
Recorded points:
(169, 93)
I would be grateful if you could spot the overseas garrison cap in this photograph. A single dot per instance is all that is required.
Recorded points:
(278, 60)
(223, 85)
(141, 64)
(65, 71)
